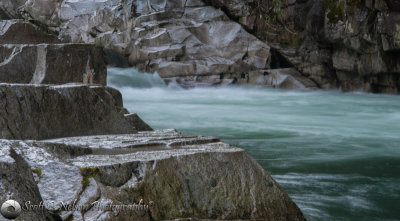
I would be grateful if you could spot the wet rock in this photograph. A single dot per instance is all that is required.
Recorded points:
(40, 112)
(59, 183)
(178, 175)
(176, 38)
(351, 45)
(52, 64)
(286, 78)
(238, 10)
(22, 32)
(140, 125)
(17, 183)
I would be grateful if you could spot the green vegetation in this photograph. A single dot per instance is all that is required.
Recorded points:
(38, 172)
(271, 10)
(336, 8)
(88, 172)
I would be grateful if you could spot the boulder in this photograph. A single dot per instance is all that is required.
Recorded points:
(42, 112)
(22, 32)
(169, 174)
(52, 64)
(59, 183)
(17, 183)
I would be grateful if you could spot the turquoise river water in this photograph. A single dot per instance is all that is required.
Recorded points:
(336, 154)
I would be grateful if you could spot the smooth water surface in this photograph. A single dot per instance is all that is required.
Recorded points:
(336, 154)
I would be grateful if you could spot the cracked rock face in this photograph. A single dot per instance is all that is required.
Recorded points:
(178, 176)
(352, 45)
(176, 38)
(30, 55)
(42, 112)
(22, 32)
(52, 64)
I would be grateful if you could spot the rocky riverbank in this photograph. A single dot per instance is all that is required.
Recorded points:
(346, 44)
(69, 150)
(187, 42)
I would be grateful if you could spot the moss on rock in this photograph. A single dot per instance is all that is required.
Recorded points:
(88, 172)
(38, 172)
(335, 10)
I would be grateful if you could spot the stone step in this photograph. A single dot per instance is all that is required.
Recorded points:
(183, 176)
(22, 32)
(43, 111)
(52, 64)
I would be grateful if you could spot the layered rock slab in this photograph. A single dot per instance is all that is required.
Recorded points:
(22, 32)
(52, 64)
(17, 183)
(42, 112)
(179, 176)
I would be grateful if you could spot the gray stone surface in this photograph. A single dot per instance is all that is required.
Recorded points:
(22, 32)
(52, 64)
(184, 176)
(140, 125)
(59, 182)
(17, 183)
(175, 38)
(178, 176)
(40, 112)
(284, 78)
(352, 45)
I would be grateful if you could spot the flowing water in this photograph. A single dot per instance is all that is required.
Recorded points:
(336, 154)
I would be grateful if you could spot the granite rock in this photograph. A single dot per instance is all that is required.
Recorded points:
(17, 183)
(176, 175)
(352, 45)
(52, 64)
(175, 38)
(42, 111)
(22, 32)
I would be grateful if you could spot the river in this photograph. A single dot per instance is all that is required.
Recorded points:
(336, 154)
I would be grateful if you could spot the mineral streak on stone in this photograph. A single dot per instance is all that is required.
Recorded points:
(52, 64)
(42, 112)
